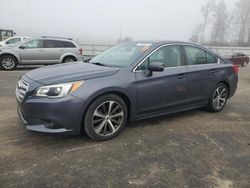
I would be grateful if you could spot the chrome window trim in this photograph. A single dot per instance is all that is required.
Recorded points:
(162, 46)
(176, 44)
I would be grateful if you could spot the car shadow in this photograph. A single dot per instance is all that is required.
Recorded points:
(25, 68)
(163, 118)
(135, 124)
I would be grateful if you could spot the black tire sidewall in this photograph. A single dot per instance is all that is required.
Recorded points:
(210, 106)
(69, 57)
(7, 56)
(88, 128)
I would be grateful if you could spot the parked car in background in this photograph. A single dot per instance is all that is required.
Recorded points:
(12, 41)
(130, 81)
(238, 59)
(40, 51)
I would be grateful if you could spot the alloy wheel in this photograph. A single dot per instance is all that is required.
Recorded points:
(219, 97)
(8, 63)
(69, 60)
(107, 118)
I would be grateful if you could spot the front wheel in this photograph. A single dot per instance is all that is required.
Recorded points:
(8, 62)
(218, 98)
(105, 117)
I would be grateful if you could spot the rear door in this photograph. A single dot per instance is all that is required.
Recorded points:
(53, 51)
(202, 68)
(32, 52)
(163, 90)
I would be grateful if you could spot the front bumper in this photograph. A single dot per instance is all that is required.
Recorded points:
(62, 115)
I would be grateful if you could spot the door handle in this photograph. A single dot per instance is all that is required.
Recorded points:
(214, 70)
(181, 76)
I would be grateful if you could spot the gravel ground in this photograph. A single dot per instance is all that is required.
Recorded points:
(190, 149)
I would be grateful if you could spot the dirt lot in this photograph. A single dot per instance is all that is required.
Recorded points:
(190, 149)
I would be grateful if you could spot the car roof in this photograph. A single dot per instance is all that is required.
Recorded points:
(153, 42)
(51, 38)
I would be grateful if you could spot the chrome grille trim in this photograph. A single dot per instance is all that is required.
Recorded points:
(21, 89)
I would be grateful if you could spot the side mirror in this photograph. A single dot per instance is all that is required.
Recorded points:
(22, 46)
(87, 60)
(155, 67)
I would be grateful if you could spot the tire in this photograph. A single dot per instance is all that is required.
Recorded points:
(218, 98)
(68, 59)
(8, 62)
(105, 117)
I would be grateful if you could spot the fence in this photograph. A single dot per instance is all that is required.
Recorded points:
(91, 50)
(229, 50)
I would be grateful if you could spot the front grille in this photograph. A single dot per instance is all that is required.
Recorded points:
(21, 89)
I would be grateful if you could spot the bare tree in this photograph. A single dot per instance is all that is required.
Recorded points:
(243, 19)
(220, 24)
(196, 34)
(229, 27)
(207, 11)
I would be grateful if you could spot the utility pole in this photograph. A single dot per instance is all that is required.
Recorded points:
(120, 39)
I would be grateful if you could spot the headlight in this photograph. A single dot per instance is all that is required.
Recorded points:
(58, 90)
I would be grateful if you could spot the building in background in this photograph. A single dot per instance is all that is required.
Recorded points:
(4, 34)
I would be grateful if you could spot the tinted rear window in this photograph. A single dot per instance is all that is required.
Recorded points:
(58, 44)
(67, 44)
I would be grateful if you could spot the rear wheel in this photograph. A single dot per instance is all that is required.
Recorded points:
(218, 98)
(105, 117)
(8, 62)
(69, 59)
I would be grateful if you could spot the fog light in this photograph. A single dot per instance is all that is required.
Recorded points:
(52, 125)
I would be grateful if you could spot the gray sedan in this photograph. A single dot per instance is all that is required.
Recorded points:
(130, 81)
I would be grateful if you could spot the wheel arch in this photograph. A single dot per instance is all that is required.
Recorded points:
(67, 55)
(5, 54)
(122, 95)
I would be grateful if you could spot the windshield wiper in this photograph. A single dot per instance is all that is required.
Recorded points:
(98, 63)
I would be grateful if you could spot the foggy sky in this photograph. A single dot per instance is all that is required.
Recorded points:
(100, 21)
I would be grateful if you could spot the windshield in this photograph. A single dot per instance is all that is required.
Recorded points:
(121, 55)
(21, 42)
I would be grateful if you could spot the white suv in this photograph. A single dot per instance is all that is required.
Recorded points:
(40, 51)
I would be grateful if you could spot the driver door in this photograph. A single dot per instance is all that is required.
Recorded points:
(32, 52)
(165, 90)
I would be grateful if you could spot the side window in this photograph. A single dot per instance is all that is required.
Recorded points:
(211, 59)
(67, 44)
(195, 56)
(169, 55)
(34, 44)
(53, 44)
(13, 41)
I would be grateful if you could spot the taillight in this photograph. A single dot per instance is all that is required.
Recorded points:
(81, 50)
(236, 69)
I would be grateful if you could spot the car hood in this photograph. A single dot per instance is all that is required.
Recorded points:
(69, 72)
(6, 47)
